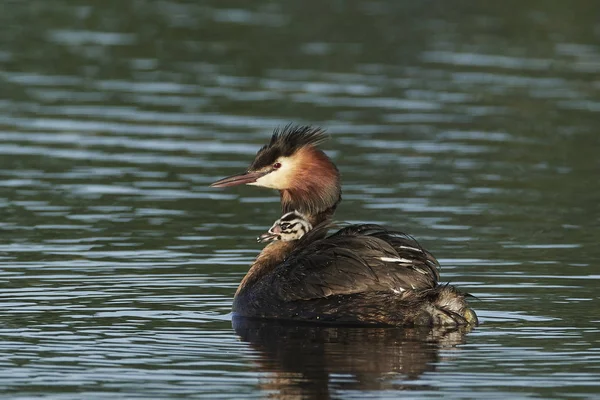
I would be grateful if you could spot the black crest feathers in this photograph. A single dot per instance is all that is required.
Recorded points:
(286, 142)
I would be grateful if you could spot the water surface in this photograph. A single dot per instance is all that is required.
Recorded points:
(472, 127)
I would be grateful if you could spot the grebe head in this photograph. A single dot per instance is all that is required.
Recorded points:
(306, 178)
(291, 226)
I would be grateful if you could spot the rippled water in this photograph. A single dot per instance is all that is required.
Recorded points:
(473, 127)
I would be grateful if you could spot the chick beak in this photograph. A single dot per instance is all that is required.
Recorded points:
(272, 234)
(266, 237)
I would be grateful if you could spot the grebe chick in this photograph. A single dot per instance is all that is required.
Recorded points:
(291, 226)
(362, 274)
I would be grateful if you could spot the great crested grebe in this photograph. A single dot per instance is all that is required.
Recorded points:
(362, 274)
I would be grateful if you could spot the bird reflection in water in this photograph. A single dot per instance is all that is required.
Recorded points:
(316, 361)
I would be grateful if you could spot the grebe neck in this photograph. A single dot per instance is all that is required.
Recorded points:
(316, 191)
(270, 257)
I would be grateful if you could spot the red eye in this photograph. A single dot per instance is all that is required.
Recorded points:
(277, 165)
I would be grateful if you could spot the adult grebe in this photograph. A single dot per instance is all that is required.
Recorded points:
(363, 274)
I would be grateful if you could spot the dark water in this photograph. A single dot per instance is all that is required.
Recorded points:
(472, 126)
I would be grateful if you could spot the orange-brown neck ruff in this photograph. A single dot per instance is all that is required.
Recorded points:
(315, 190)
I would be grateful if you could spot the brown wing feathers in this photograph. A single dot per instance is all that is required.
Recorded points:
(356, 259)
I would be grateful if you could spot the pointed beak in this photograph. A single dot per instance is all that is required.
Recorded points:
(266, 237)
(272, 234)
(239, 179)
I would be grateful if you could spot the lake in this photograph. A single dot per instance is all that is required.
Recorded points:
(471, 126)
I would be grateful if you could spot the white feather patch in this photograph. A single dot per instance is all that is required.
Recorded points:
(410, 248)
(279, 178)
(396, 259)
